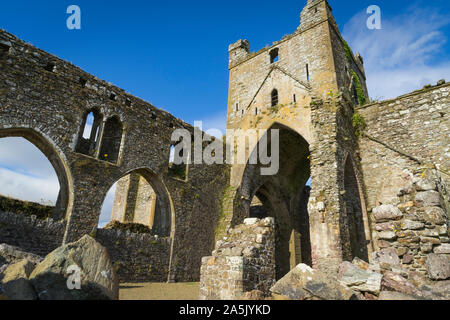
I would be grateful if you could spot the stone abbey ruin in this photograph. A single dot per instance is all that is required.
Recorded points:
(378, 171)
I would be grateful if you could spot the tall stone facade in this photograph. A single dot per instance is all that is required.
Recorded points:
(304, 86)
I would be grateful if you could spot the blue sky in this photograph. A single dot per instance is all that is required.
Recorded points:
(174, 53)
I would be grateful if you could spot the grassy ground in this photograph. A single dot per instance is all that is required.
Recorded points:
(159, 291)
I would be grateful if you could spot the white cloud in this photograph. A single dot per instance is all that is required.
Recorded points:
(403, 56)
(22, 156)
(215, 122)
(25, 172)
(24, 187)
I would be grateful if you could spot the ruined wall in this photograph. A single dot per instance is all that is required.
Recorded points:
(32, 235)
(405, 163)
(242, 262)
(45, 100)
(314, 66)
(406, 133)
(134, 201)
(137, 257)
(417, 226)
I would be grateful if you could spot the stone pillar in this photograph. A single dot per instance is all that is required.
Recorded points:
(325, 202)
(120, 199)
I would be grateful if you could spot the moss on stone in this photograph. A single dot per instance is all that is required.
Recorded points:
(177, 171)
(348, 51)
(359, 124)
(27, 208)
(359, 89)
(132, 227)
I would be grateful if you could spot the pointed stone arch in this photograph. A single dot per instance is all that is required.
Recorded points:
(57, 159)
(281, 195)
(354, 222)
(164, 215)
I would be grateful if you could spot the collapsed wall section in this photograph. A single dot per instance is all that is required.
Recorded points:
(405, 164)
(243, 261)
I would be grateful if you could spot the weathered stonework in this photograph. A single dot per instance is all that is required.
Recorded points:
(137, 257)
(302, 85)
(46, 101)
(242, 262)
(379, 172)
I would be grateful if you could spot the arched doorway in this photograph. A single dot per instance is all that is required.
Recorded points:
(283, 196)
(38, 162)
(140, 198)
(353, 226)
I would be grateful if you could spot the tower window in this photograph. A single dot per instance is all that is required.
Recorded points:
(307, 72)
(295, 99)
(274, 55)
(274, 97)
(237, 107)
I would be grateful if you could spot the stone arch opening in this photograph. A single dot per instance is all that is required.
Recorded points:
(353, 225)
(63, 205)
(111, 140)
(274, 55)
(283, 196)
(88, 136)
(139, 197)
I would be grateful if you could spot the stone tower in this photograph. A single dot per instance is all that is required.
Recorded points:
(306, 86)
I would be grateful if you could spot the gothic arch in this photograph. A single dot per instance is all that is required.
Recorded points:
(56, 157)
(281, 195)
(355, 229)
(164, 223)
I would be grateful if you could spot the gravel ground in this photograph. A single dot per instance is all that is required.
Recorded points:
(159, 291)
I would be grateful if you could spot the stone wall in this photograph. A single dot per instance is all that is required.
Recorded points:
(243, 261)
(46, 100)
(405, 164)
(32, 235)
(417, 227)
(137, 257)
(405, 133)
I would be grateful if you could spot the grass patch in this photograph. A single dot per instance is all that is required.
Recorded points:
(132, 227)
(359, 124)
(27, 208)
(348, 51)
(359, 90)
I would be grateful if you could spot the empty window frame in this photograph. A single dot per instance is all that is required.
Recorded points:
(274, 97)
(89, 132)
(274, 57)
(111, 140)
